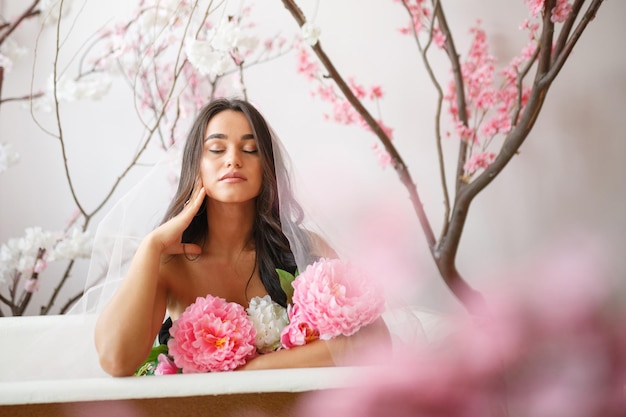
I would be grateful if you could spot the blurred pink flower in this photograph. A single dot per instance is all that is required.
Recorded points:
(166, 366)
(478, 161)
(298, 332)
(212, 335)
(551, 344)
(336, 298)
(32, 285)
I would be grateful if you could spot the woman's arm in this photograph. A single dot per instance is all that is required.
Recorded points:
(129, 323)
(341, 350)
(311, 355)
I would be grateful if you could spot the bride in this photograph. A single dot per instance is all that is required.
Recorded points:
(232, 222)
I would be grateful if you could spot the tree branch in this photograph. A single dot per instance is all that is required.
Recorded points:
(398, 163)
(436, 84)
(566, 28)
(453, 56)
(564, 53)
(28, 13)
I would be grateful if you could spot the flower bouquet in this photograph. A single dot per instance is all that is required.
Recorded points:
(330, 298)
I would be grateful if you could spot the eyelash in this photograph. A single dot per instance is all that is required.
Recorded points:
(218, 151)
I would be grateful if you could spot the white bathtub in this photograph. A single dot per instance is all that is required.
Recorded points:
(40, 384)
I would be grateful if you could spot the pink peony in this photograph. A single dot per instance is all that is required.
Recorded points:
(297, 332)
(212, 335)
(336, 298)
(166, 366)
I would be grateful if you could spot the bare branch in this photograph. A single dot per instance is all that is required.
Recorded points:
(28, 13)
(398, 163)
(566, 28)
(439, 106)
(560, 59)
(545, 42)
(453, 56)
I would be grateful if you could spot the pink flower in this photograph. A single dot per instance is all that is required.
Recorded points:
(212, 335)
(336, 298)
(297, 332)
(166, 366)
(479, 160)
(31, 286)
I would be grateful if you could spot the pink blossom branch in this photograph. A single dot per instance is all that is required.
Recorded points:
(467, 295)
(561, 55)
(398, 162)
(520, 132)
(453, 56)
(438, 107)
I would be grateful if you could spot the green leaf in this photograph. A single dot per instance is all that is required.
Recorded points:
(149, 365)
(156, 351)
(286, 280)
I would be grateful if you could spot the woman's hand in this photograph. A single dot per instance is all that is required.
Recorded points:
(169, 234)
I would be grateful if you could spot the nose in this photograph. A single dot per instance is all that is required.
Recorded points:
(233, 160)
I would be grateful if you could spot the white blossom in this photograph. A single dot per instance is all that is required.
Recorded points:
(75, 244)
(224, 37)
(19, 255)
(269, 320)
(6, 62)
(8, 157)
(10, 52)
(50, 9)
(205, 59)
(93, 86)
(228, 36)
(310, 33)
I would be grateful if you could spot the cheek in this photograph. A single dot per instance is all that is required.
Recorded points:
(206, 171)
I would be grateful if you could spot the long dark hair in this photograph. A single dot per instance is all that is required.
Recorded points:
(271, 244)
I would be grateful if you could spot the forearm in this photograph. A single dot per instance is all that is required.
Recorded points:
(126, 327)
(311, 355)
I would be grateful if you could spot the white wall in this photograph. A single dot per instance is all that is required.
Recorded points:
(568, 176)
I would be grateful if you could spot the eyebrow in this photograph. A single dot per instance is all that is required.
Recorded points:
(247, 136)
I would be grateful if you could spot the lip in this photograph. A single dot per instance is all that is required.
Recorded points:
(233, 177)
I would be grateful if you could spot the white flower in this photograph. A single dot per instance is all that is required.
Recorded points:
(8, 157)
(269, 320)
(206, 60)
(10, 52)
(76, 244)
(93, 86)
(225, 37)
(6, 62)
(310, 33)
(19, 255)
(50, 10)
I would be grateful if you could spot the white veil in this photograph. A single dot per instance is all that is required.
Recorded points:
(117, 237)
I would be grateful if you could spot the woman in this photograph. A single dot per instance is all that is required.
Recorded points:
(223, 234)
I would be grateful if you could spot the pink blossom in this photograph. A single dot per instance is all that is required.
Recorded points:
(165, 366)
(376, 91)
(31, 286)
(336, 298)
(357, 89)
(535, 6)
(478, 161)
(561, 11)
(552, 344)
(297, 332)
(212, 335)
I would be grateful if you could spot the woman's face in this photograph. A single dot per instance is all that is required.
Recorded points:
(230, 169)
